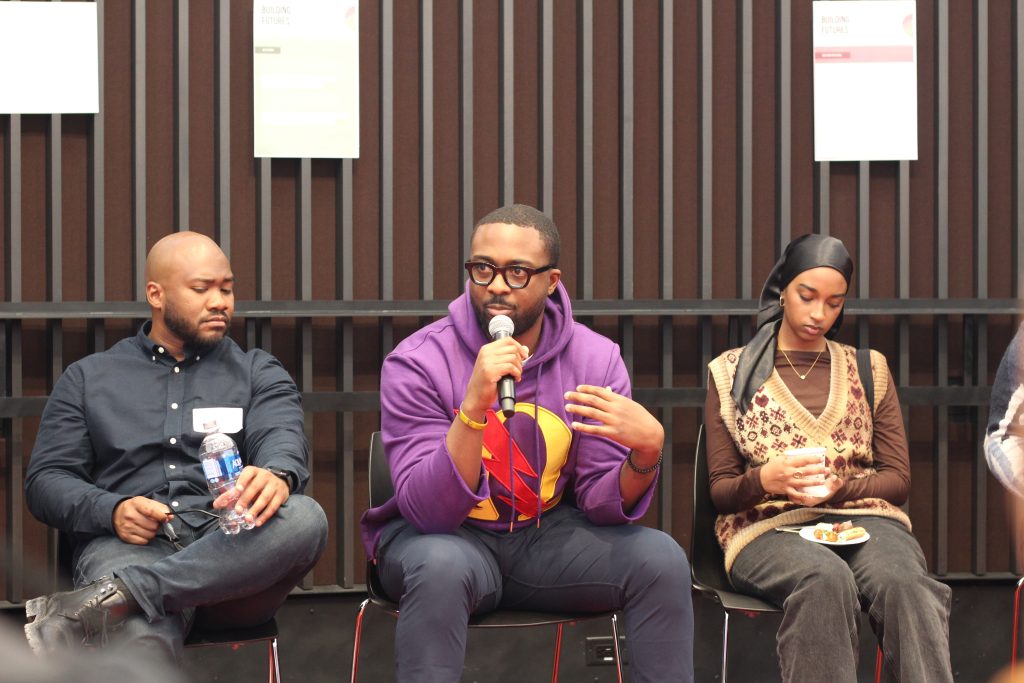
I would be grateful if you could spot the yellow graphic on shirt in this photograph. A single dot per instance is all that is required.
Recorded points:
(556, 436)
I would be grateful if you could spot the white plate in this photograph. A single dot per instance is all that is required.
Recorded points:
(807, 533)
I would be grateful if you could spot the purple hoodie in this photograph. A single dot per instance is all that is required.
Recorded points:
(422, 384)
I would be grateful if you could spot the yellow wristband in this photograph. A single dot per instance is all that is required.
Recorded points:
(472, 424)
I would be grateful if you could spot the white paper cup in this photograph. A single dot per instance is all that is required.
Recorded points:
(815, 489)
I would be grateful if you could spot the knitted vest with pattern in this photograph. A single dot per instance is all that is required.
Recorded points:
(776, 422)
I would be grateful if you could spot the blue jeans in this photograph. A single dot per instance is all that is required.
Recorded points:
(565, 565)
(822, 590)
(217, 580)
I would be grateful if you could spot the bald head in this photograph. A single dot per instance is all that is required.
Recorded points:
(190, 289)
(173, 254)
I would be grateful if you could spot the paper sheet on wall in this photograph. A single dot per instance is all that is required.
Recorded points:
(306, 78)
(865, 80)
(50, 58)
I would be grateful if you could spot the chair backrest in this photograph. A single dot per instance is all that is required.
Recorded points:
(707, 561)
(381, 488)
(381, 491)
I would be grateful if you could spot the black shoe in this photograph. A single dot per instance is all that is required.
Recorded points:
(73, 618)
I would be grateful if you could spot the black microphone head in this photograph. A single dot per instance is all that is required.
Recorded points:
(501, 326)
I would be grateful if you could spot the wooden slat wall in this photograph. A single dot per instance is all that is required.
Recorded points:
(672, 143)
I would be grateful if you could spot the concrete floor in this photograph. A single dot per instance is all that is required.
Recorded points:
(316, 647)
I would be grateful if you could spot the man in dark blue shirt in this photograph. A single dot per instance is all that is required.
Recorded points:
(116, 468)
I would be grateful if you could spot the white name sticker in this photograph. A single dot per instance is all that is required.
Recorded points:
(228, 420)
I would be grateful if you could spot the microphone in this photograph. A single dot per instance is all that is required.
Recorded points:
(501, 326)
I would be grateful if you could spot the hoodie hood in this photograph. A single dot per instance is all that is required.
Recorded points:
(555, 334)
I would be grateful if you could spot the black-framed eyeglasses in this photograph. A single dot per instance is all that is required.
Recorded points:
(516, 277)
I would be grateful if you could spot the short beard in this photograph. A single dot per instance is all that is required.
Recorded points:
(189, 333)
(522, 320)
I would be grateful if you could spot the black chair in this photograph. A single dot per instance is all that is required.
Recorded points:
(1016, 623)
(381, 490)
(198, 636)
(707, 561)
(265, 632)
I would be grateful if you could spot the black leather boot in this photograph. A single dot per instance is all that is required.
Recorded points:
(74, 618)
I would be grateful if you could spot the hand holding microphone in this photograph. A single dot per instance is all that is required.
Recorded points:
(499, 365)
(501, 326)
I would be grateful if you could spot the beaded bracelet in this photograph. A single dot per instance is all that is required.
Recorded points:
(644, 470)
(470, 422)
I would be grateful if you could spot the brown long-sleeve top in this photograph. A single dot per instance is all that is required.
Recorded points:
(735, 488)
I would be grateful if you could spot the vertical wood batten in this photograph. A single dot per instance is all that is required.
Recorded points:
(466, 112)
(14, 497)
(387, 168)
(305, 291)
(1018, 151)
(822, 188)
(139, 146)
(626, 185)
(547, 104)
(980, 473)
(96, 224)
(387, 149)
(706, 160)
(54, 212)
(903, 289)
(54, 243)
(785, 136)
(508, 66)
(344, 289)
(903, 275)
(863, 244)
(259, 330)
(627, 145)
(14, 427)
(222, 83)
(585, 255)
(427, 149)
(942, 284)
(666, 214)
(746, 147)
(181, 119)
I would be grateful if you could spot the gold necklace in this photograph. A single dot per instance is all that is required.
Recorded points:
(803, 376)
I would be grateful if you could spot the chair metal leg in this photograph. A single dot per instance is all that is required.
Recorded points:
(558, 653)
(273, 665)
(878, 665)
(1016, 622)
(725, 645)
(358, 639)
(615, 639)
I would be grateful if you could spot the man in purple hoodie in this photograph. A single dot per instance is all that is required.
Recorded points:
(530, 511)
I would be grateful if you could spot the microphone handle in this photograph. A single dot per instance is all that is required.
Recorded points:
(507, 395)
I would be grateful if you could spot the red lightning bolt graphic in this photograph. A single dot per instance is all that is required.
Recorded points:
(496, 440)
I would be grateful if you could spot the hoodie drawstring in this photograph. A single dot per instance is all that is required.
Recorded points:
(536, 442)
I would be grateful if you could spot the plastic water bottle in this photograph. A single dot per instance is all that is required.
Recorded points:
(222, 464)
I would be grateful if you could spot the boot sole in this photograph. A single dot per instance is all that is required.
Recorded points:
(35, 607)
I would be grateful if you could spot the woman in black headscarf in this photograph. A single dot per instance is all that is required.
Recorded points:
(792, 440)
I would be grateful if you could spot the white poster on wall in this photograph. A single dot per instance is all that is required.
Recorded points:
(865, 80)
(306, 78)
(49, 59)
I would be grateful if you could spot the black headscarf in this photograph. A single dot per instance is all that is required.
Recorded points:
(757, 360)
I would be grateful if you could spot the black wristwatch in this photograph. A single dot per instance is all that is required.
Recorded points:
(285, 475)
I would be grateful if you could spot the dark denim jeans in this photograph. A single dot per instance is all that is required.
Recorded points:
(823, 588)
(567, 564)
(219, 580)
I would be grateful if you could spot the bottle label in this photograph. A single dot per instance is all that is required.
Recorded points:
(211, 468)
(227, 466)
(232, 463)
